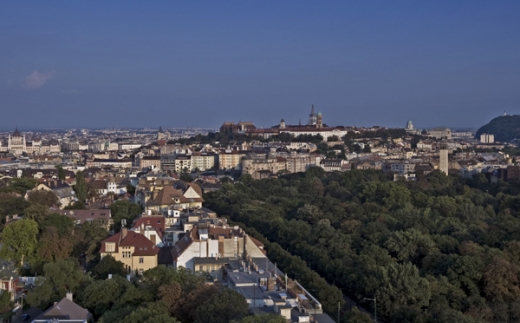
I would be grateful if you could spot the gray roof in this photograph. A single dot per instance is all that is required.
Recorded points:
(65, 310)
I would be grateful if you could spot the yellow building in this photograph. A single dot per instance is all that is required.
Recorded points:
(133, 249)
(230, 159)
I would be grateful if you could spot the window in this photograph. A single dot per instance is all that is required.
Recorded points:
(110, 247)
(141, 270)
(141, 260)
(126, 254)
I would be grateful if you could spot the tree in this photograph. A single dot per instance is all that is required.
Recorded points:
(10, 204)
(109, 265)
(81, 187)
(59, 277)
(22, 185)
(356, 316)
(61, 172)
(170, 295)
(64, 224)
(124, 210)
(401, 285)
(102, 295)
(246, 179)
(222, 307)
(333, 138)
(185, 177)
(87, 240)
(43, 197)
(36, 212)
(19, 241)
(52, 246)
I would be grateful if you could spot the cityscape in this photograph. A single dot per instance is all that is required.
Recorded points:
(231, 162)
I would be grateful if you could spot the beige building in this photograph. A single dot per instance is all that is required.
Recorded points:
(252, 164)
(169, 197)
(133, 249)
(203, 160)
(230, 159)
(487, 138)
(440, 133)
(149, 161)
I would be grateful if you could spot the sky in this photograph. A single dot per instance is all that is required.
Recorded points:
(199, 63)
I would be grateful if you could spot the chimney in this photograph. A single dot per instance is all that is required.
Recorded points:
(124, 232)
(69, 296)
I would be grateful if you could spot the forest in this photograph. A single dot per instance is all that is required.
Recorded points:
(439, 249)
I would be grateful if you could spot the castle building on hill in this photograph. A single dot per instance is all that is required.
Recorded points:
(314, 126)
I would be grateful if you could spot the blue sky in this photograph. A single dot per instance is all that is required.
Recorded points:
(199, 63)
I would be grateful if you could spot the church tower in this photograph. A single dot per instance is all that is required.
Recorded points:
(312, 117)
(282, 124)
(319, 120)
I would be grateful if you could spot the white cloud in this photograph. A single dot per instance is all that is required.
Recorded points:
(36, 79)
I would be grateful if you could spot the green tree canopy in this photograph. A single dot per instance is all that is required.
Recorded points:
(222, 307)
(109, 265)
(19, 241)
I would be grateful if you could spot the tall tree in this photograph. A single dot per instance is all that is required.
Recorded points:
(52, 246)
(19, 241)
(81, 187)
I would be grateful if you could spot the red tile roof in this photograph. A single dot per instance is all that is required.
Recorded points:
(142, 246)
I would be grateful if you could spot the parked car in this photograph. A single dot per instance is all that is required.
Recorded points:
(25, 317)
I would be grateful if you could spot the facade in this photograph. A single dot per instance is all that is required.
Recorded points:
(169, 197)
(252, 164)
(440, 133)
(210, 241)
(16, 143)
(204, 161)
(133, 249)
(443, 158)
(333, 165)
(230, 159)
(487, 138)
(149, 161)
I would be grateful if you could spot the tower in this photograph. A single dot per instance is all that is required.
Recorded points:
(312, 117)
(282, 124)
(443, 157)
(319, 120)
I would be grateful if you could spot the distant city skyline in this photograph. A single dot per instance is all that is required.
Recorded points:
(183, 64)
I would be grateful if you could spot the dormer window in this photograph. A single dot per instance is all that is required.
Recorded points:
(110, 247)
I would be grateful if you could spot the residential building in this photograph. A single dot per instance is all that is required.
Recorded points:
(204, 161)
(133, 249)
(63, 191)
(230, 159)
(487, 138)
(210, 241)
(65, 311)
(102, 216)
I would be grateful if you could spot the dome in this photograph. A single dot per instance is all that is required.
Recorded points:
(16, 133)
(319, 114)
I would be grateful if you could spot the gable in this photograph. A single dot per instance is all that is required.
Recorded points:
(191, 193)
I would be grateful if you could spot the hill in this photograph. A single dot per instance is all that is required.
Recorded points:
(505, 128)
